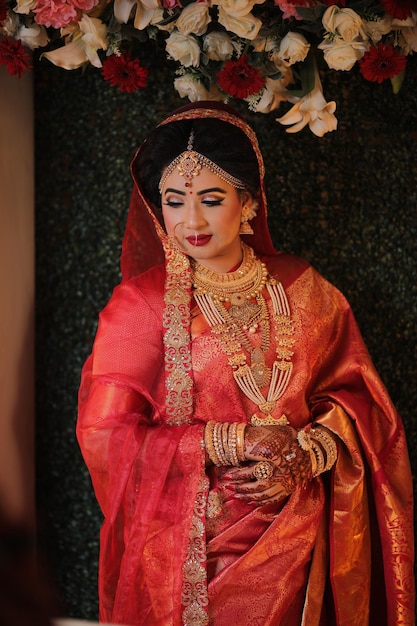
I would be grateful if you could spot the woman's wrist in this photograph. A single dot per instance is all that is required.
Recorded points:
(321, 445)
(224, 442)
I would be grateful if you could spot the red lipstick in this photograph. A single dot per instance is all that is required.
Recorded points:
(198, 240)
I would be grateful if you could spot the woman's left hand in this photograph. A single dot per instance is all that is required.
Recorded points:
(278, 465)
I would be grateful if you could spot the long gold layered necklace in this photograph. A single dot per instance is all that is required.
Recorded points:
(234, 307)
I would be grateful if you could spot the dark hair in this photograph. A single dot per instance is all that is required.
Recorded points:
(223, 143)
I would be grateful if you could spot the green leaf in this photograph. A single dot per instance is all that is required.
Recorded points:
(397, 81)
(313, 14)
(307, 77)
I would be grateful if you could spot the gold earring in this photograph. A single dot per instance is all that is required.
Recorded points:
(245, 227)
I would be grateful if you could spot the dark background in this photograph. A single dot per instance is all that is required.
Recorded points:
(347, 202)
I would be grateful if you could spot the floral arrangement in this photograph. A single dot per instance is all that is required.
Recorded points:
(264, 53)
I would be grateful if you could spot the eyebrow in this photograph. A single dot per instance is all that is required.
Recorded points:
(199, 193)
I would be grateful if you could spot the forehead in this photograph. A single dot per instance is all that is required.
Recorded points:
(204, 180)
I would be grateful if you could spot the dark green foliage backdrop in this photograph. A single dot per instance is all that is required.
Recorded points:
(346, 202)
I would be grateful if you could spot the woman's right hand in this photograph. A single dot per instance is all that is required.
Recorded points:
(278, 465)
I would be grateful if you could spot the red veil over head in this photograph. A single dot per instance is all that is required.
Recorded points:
(144, 237)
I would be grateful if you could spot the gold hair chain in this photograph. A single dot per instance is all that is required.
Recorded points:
(189, 164)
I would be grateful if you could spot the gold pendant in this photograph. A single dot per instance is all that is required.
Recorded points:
(244, 311)
(260, 371)
(268, 420)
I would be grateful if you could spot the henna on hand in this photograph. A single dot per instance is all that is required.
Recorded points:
(291, 465)
(268, 442)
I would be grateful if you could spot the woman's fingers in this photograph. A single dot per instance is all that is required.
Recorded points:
(261, 493)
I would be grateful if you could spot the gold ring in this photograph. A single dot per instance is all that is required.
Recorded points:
(263, 470)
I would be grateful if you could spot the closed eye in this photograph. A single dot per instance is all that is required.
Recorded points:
(210, 203)
(174, 203)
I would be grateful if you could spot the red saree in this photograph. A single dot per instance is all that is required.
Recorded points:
(339, 551)
(178, 550)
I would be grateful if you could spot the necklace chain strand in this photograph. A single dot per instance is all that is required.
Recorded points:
(234, 331)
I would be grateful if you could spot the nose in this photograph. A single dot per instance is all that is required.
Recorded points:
(194, 217)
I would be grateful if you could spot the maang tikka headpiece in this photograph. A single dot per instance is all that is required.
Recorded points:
(189, 164)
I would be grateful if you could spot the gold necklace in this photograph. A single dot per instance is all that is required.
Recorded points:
(237, 288)
(234, 326)
(244, 283)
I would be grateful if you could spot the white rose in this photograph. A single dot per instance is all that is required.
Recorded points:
(218, 46)
(183, 49)
(246, 27)
(188, 87)
(375, 29)
(342, 55)
(33, 36)
(293, 48)
(237, 8)
(343, 22)
(194, 18)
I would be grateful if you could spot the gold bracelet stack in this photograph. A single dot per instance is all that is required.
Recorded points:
(322, 448)
(328, 444)
(225, 442)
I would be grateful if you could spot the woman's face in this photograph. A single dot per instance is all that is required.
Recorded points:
(205, 218)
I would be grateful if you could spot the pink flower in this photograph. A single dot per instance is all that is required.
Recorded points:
(55, 13)
(14, 56)
(60, 13)
(170, 4)
(289, 7)
(84, 5)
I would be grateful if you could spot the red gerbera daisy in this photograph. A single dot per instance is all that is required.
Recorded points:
(400, 9)
(382, 62)
(124, 72)
(239, 79)
(14, 56)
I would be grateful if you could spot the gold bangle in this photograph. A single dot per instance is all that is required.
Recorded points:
(328, 444)
(240, 442)
(232, 443)
(318, 453)
(208, 441)
(218, 443)
(313, 460)
(225, 441)
(303, 439)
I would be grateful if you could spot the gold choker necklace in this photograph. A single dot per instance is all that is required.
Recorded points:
(235, 287)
